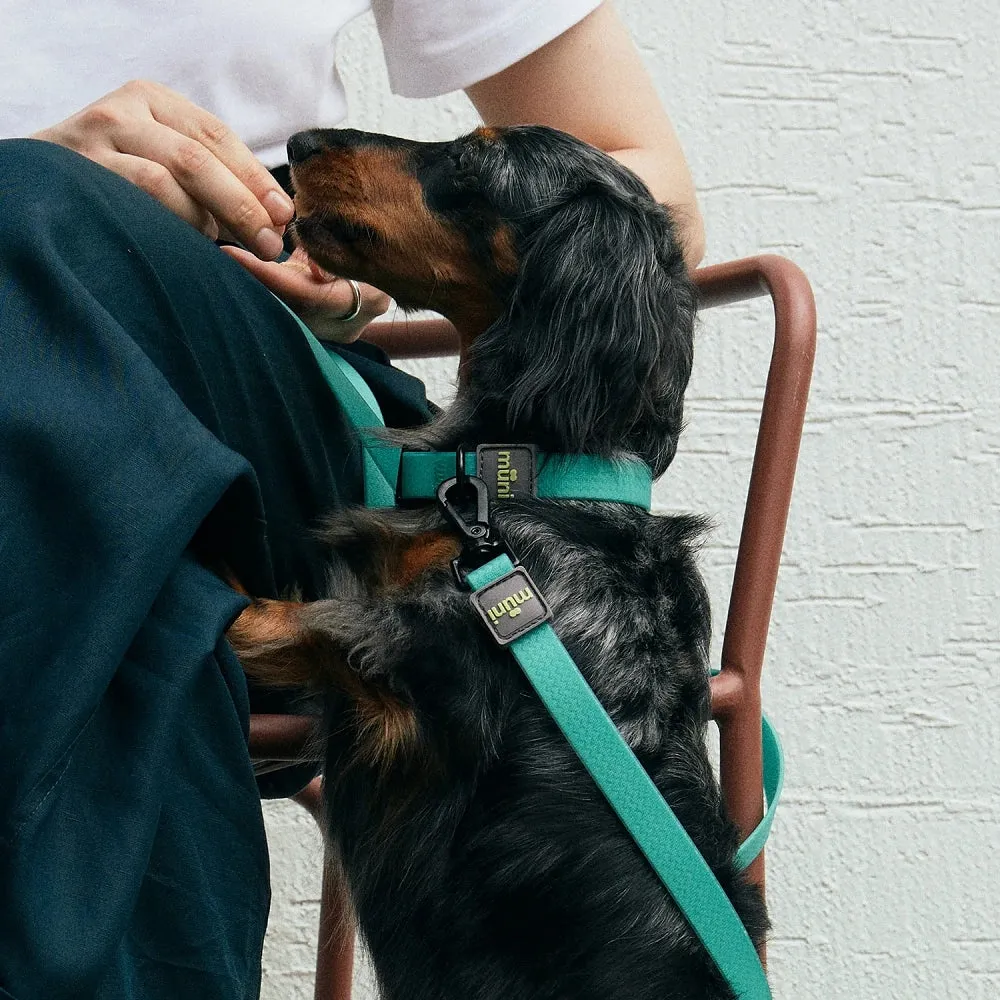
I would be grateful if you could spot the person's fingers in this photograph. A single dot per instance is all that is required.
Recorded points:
(176, 112)
(301, 260)
(323, 319)
(320, 304)
(295, 282)
(314, 269)
(157, 181)
(336, 298)
(207, 181)
(286, 281)
(204, 158)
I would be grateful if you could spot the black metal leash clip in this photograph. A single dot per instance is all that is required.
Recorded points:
(511, 605)
(465, 493)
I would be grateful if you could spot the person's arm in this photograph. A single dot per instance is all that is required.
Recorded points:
(590, 82)
(185, 158)
(200, 170)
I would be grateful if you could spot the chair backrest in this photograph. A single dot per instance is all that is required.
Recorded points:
(736, 690)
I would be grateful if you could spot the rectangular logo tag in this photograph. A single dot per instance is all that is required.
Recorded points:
(511, 606)
(508, 470)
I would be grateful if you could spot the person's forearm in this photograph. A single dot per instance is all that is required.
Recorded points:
(591, 82)
(670, 183)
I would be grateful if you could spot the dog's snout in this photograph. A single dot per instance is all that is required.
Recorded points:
(302, 145)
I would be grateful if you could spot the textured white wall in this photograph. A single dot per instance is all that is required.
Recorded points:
(859, 139)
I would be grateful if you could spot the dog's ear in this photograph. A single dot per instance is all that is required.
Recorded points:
(594, 353)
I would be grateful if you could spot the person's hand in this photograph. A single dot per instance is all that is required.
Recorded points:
(185, 158)
(318, 298)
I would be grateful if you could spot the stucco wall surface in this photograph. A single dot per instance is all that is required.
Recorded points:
(861, 140)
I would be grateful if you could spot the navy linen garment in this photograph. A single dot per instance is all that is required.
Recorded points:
(159, 412)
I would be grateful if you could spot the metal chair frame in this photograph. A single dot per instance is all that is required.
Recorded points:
(736, 701)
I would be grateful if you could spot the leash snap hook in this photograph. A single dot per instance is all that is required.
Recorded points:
(468, 493)
(452, 494)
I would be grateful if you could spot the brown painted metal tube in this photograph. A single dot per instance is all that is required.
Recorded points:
(775, 457)
(717, 285)
(765, 517)
(311, 799)
(283, 738)
(418, 338)
(335, 948)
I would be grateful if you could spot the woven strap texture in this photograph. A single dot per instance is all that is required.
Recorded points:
(568, 477)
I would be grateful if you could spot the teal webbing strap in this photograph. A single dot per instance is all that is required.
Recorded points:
(774, 780)
(569, 477)
(632, 794)
(575, 477)
(380, 462)
(422, 472)
(578, 477)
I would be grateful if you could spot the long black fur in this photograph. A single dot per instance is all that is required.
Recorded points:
(594, 349)
(482, 861)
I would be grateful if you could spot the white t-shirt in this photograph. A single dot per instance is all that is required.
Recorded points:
(266, 69)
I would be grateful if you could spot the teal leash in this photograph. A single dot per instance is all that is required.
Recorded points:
(774, 782)
(557, 680)
(379, 463)
(631, 793)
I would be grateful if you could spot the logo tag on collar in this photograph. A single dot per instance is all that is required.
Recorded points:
(509, 470)
(511, 606)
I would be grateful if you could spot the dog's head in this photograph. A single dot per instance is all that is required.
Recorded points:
(562, 273)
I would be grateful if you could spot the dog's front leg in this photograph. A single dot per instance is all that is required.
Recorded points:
(343, 645)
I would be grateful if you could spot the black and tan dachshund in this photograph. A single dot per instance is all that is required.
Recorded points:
(483, 862)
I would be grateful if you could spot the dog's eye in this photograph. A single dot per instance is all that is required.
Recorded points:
(453, 198)
(346, 231)
(456, 191)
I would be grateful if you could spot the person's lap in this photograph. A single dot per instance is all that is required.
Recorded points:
(154, 401)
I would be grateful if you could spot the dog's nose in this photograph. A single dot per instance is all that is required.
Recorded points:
(302, 145)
